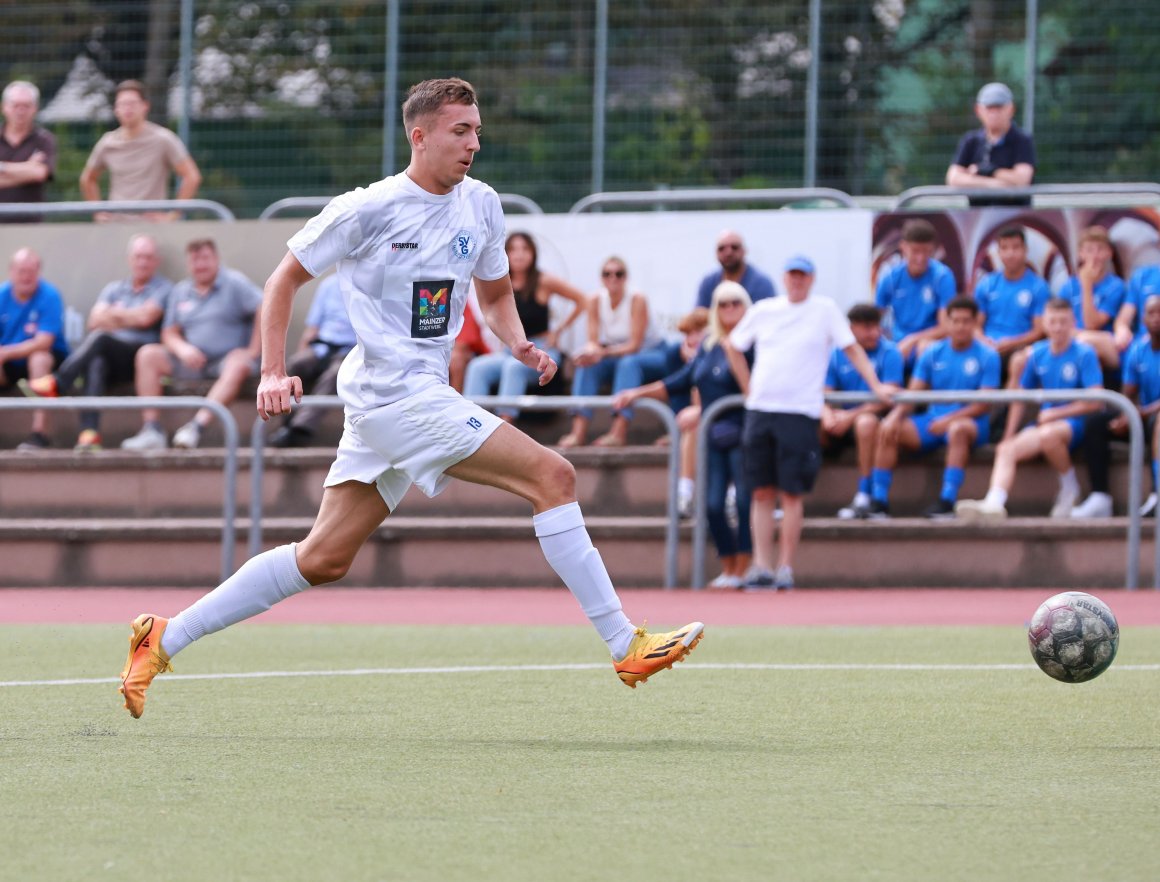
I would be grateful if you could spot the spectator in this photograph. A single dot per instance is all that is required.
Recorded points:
(1141, 383)
(210, 330)
(1059, 362)
(958, 363)
(792, 337)
(996, 157)
(860, 421)
(27, 152)
(326, 340)
(533, 290)
(916, 291)
(1096, 294)
(708, 372)
(619, 327)
(692, 327)
(474, 339)
(731, 256)
(32, 339)
(139, 156)
(126, 316)
(1144, 283)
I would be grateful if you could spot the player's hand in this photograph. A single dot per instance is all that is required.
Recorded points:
(1118, 426)
(883, 393)
(192, 357)
(275, 393)
(623, 399)
(1089, 273)
(1122, 334)
(538, 360)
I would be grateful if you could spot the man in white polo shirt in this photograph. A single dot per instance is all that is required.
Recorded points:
(793, 337)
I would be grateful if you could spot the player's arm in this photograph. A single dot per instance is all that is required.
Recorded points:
(41, 341)
(1019, 176)
(498, 304)
(190, 176)
(144, 316)
(1122, 329)
(1071, 409)
(275, 389)
(865, 369)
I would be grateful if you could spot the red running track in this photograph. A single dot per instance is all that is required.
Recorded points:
(497, 606)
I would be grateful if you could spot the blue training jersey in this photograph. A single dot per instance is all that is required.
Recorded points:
(1145, 283)
(944, 368)
(1142, 370)
(914, 302)
(1010, 307)
(1077, 367)
(1109, 295)
(42, 312)
(842, 376)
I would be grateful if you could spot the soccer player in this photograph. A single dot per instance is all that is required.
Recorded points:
(407, 248)
(1096, 294)
(1059, 362)
(960, 362)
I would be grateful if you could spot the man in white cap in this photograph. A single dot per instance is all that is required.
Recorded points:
(998, 156)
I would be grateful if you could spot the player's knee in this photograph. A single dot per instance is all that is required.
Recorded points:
(866, 426)
(556, 482)
(318, 566)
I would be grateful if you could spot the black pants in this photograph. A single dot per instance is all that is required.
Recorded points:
(1095, 446)
(101, 359)
(319, 377)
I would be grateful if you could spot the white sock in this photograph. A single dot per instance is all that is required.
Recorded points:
(996, 496)
(685, 487)
(569, 551)
(1068, 481)
(261, 582)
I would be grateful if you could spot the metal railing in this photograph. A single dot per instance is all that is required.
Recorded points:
(1037, 396)
(523, 402)
(1143, 188)
(117, 206)
(659, 198)
(509, 201)
(175, 402)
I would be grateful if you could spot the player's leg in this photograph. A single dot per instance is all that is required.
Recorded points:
(866, 426)
(1008, 454)
(236, 367)
(1056, 439)
(40, 365)
(962, 434)
(896, 433)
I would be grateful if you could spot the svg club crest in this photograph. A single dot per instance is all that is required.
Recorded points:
(1069, 372)
(971, 366)
(463, 245)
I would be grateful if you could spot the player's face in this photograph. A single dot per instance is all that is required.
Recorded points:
(519, 254)
(1013, 254)
(130, 109)
(1094, 253)
(203, 266)
(730, 253)
(1152, 316)
(448, 144)
(24, 273)
(1059, 324)
(868, 334)
(961, 327)
(917, 256)
(143, 260)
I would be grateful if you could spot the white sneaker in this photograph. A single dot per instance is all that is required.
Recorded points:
(1065, 501)
(1148, 509)
(783, 578)
(684, 507)
(1097, 505)
(149, 438)
(187, 436)
(973, 511)
(856, 509)
(726, 583)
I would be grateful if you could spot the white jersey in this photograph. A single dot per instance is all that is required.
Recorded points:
(405, 259)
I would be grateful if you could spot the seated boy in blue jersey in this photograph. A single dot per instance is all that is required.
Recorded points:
(1011, 301)
(860, 421)
(958, 363)
(1141, 383)
(32, 342)
(916, 291)
(1059, 362)
(1144, 283)
(1096, 294)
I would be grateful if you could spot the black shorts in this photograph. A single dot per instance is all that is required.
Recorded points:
(18, 370)
(782, 450)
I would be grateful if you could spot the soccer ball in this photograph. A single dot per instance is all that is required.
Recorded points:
(1073, 637)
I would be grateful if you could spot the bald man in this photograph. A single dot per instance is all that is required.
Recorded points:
(32, 341)
(731, 257)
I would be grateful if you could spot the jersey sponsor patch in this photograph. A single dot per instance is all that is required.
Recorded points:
(431, 308)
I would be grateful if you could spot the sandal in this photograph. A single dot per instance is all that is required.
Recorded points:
(570, 440)
(608, 440)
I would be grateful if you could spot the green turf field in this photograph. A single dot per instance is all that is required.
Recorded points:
(710, 773)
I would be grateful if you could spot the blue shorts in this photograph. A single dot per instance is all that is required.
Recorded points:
(928, 442)
(1078, 424)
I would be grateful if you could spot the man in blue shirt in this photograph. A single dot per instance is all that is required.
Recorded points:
(958, 363)
(860, 421)
(916, 291)
(731, 256)
(1096, 294)
(1059, 362)
(326, 340)
(32, 341)
(1011, 299)
(996, 157)
(1144, 283)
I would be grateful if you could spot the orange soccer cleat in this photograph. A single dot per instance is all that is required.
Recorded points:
(649, 653)
(40, 387)
(146, 660)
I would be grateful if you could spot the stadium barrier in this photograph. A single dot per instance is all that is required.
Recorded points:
(509, 201)
(659, 198)
(523, 402)
(118, 206)
(175, 402)
(933, 191)
(1033, 396)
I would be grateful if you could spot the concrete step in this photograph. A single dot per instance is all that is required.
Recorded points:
(502, 551)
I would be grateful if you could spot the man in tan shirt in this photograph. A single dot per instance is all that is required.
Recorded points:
(139, 156)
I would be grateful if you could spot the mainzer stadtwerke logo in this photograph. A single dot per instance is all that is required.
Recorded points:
(431, 307)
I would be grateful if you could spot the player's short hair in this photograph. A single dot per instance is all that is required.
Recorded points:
(918, 230)
(429, 96)
(697, 320)
(1013, 233)
(197, 244)
(18, 85)
(1059, 303)
(1095, 234)
(962, 302)
(864, 314)
(131, 86)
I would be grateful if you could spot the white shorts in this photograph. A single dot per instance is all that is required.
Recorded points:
(412, 441)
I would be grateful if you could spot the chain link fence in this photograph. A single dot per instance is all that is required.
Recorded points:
(301, 98)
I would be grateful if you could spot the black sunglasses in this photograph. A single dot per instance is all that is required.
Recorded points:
(620, 274)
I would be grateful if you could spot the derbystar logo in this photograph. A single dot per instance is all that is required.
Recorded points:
(431, 307)
(404, 246)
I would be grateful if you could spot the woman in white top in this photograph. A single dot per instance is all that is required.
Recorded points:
(623, 351)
